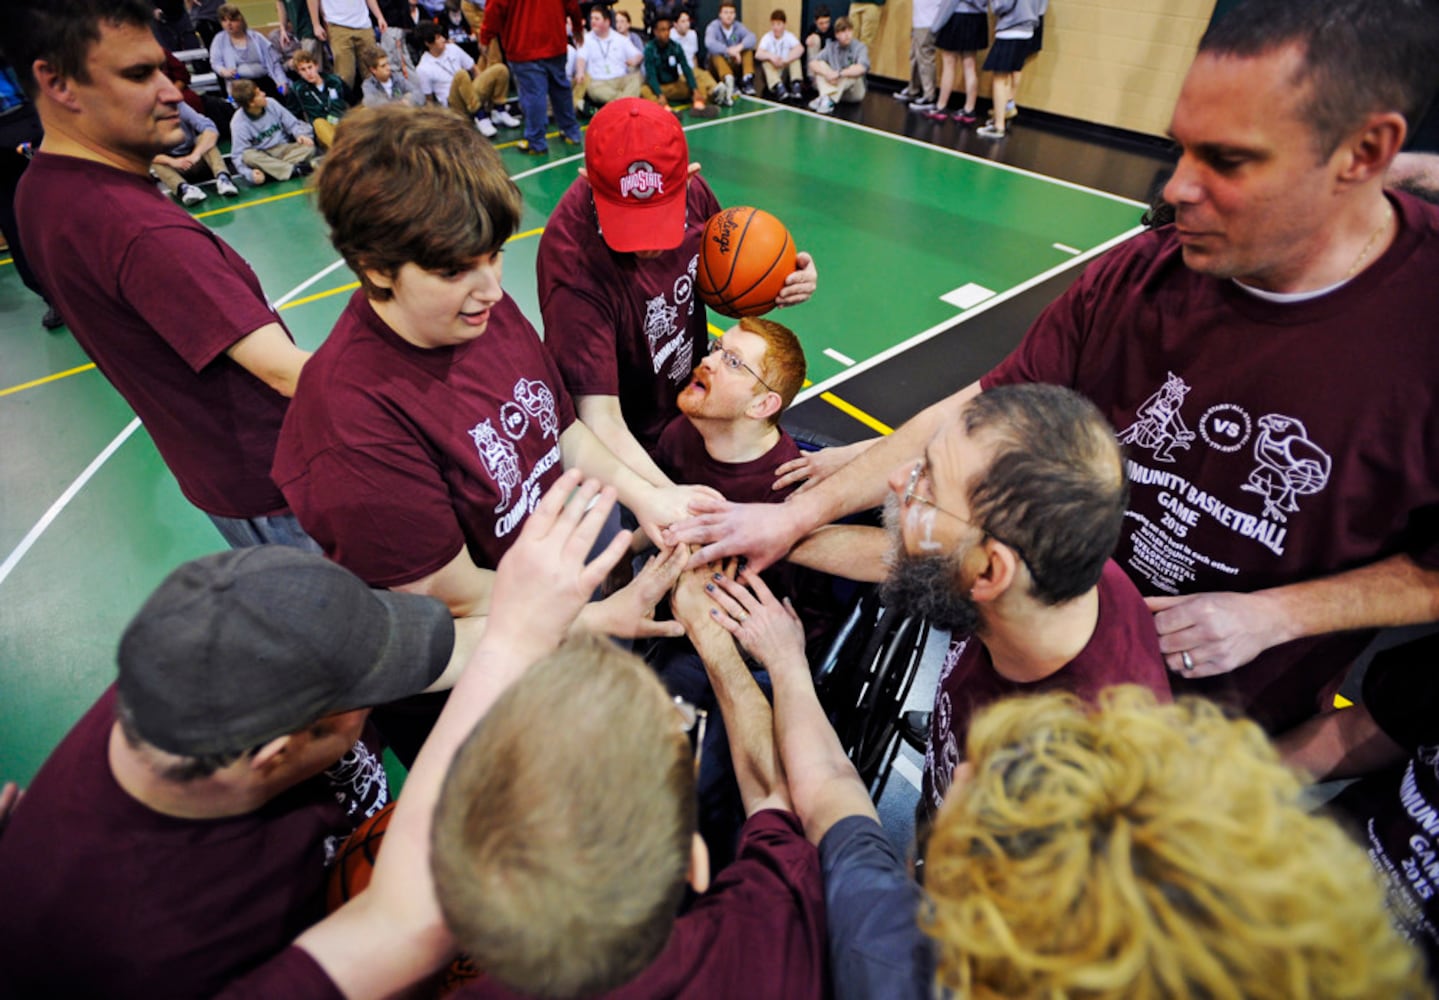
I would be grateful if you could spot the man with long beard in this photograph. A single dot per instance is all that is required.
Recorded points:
(1002, 533)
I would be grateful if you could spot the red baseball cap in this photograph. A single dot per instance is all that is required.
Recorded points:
(637, 162)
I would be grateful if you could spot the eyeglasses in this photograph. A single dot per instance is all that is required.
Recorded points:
(734, 362)
(911, 496)
(695, 720)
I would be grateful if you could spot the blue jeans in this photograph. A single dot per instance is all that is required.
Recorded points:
(281, 529)
(534, 80)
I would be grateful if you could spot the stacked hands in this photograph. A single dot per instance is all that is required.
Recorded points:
(714, 599)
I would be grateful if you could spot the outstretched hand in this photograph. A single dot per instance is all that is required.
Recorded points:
(547, 577)
(770, 630)
(814, 467)
(762, 532)
(629, 612)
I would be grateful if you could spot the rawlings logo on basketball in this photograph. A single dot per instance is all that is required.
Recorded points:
(642, 181)
(724, 227)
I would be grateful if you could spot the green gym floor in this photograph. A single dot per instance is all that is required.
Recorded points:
(919, 245)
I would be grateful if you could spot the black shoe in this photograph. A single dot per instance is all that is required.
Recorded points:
(796, 92)
(52, 319)
(302, 170)
(746, 86)
(914, 729)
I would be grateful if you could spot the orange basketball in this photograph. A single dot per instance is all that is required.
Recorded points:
(356, 860)
(744, 258)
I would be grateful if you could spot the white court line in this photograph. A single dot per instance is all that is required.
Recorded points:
(1065, 247)
(48, 518)
(948, 324)
(902, 766)
(688, 128)
(841, 358)
(959, 154)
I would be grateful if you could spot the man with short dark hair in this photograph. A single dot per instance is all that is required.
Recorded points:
(175, 319)
(1278, 513)
(839, 69)
(607, 65)
(180, 834)
(668, 74)
(448, 74)
(1002, 535)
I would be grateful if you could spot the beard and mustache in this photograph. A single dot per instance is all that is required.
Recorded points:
(928, 585)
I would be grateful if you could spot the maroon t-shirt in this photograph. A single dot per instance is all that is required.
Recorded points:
(155, 299)
(682, 456)
(1124, 649)
(394, 456)
(105, 897)
(1267, 443)
(758, 932)
(617, 325)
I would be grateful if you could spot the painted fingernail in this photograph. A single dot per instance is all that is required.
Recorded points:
(709, 587)
(718, 576)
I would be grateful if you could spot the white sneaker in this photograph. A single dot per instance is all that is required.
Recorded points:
(504, 119)
(225, 186)
(486, 127)
(191, 195)
(826, 106)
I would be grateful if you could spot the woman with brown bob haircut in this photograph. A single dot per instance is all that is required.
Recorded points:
(428, 425)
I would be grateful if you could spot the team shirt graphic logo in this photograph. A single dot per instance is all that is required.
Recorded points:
(500, 459)
(1290, 465)
(1158, 425)
(539, 402)
(514, 420)
(641, 180)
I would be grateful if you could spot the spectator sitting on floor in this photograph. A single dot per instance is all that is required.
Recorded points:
(779, 54)
(839, 69)
(383, 85)
(456, 26)
(267, 138)
(606, 65)
(820, 33)
(454, 80)
(321, 97)
(237, 53)
(688, 39)
(669, 79)
(196, 158)
(731, 50)
(625, 30)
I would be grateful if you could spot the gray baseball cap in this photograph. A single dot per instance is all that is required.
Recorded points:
(240, 647)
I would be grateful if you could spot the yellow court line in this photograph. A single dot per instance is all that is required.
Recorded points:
(878, 426)
(47, 378)
(7, 260)
(252, 204)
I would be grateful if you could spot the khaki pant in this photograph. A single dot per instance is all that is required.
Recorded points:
(721, 66)
(474, 14)
(324, 132)
(773, 76)
(212, 164)
(865, 18)
(921, 62)
(278, 162)
(604, 91)
(469, 95)
(849, 89)
(346, 44)
(678, 91)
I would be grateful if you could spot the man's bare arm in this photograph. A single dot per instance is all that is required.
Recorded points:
(271, 356)
(853, 551)
(823, 784)
(602, 415)
(464, 587)
(1342, 744)
(1222, 631)
(765, 532)
(748, 720)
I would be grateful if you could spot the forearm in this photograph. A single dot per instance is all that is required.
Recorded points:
(823, 783)
(853, 551)
(463, 586)
(1342, 744)
(748, 720)
(864, 482)
(602, 416)
(204, 142)
(1392, 592)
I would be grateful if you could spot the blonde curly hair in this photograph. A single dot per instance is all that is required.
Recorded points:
(1143, 850)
